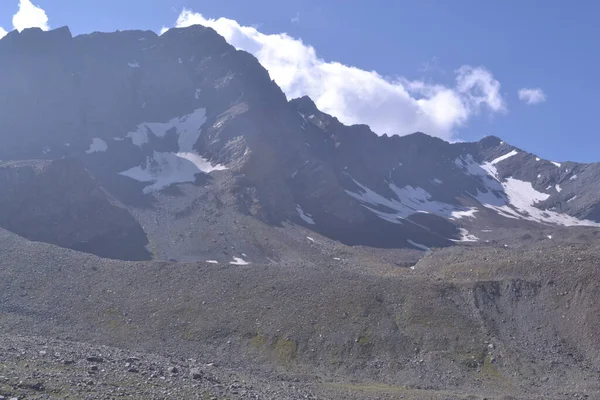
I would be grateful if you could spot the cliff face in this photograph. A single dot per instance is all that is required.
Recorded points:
(58, 202)
(191, 134)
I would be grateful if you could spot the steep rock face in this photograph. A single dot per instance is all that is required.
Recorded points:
(148, 114)
(58, 202)
(472, 184)
(134, 106)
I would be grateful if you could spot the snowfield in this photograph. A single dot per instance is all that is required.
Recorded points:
(163, 169)
(98, 145)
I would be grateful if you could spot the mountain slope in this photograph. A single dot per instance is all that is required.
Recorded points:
(487, 321)
(59, 203)
(193, 135)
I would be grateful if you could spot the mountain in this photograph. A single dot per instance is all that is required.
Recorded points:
(192, 135)
(253, 229)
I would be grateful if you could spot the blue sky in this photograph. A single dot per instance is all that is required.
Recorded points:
(419, 46)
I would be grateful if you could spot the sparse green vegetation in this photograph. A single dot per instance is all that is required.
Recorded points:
(285, 349)
(364, 339)
(489, 369)
(281, 349)
(258, 340)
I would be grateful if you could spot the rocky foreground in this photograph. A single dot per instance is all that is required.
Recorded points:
(483, 323)
(40, 368)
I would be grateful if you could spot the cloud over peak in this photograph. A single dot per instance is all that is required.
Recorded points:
(28, 16)
(532, 96)
(393, 106)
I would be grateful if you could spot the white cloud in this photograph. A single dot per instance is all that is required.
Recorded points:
(30, 16)
(532, 96)
(296, 18)
(353, 95)
(2, 32)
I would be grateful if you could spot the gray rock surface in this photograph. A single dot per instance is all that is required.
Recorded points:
(338, 330)
(58, 202)
(137, 109)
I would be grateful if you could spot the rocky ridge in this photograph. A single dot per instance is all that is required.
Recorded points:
(163, 121)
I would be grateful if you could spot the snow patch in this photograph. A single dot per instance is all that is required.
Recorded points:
(539, 176)
(298, 170)
(537, 159)
(418, 246)
(98, 145)
(549, 236)
(465, 236)
(165, 169)
(311, 239)
(239, 261)
(556, 163)
(573, 177)
(187, 128)
(504, 157)
(470, 213)
(571, 199)
(201, 163)
(516, 199)
(212, 261)
(558, 188)
(305, 217)
(407, 201)
(468, 164)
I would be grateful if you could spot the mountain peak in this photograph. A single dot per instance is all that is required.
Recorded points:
(491, 141)
(36, 36)
(304, 104)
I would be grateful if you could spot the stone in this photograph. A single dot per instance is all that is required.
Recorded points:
(196, 373)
